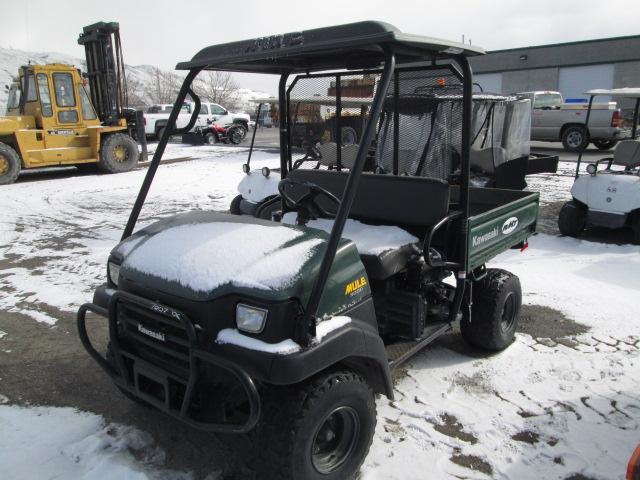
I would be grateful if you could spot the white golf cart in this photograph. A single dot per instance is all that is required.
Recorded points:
(609, 194)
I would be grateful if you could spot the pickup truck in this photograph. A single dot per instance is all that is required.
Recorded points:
(157, 116)
(554, 120)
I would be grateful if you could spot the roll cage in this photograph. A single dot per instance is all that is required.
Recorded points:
(360, 46)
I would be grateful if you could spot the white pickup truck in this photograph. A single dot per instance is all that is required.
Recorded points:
(157, 116)
(554, 120)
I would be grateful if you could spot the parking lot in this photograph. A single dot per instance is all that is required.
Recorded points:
(560, 403)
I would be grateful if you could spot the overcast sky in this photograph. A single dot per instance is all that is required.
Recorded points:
(163, 32)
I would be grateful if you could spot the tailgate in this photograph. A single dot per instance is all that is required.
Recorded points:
(511, 221)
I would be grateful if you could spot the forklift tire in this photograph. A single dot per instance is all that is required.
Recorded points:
(319, 429)
(10, 164)
(495, 312)
(234, 208)
(118, 153)
(575, 138)
(572, 219)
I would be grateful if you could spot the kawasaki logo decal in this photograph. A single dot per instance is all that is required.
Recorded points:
(151, 333)
(480, 239)
(509, 225)
(355, 286)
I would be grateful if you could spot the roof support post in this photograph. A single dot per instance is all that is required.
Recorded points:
(348, 197)
(586, 126)
(157, 156)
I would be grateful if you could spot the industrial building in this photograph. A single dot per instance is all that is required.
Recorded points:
(571, 68)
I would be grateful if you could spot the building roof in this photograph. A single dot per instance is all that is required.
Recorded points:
(586, 52)
(354, 45)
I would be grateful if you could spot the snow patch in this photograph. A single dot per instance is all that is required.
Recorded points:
(369, 239)
(234, 337)
(48, 442)
(325, 327)
(205, 256)
(288, 346)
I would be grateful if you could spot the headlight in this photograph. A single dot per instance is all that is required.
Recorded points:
(591, 169)
(250, 319)
(113, 270)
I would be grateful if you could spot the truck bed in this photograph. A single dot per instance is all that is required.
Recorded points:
(499, 219)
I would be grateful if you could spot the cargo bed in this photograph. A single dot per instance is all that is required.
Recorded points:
(498, 220)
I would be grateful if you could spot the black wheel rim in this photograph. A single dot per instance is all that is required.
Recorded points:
(335, 440)
(508, 312)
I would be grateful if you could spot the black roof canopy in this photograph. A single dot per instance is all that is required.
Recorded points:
(353, 45)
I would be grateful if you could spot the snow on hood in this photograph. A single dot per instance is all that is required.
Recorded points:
(204, 256)
(369, 239)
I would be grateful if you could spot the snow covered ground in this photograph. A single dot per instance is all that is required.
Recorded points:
(561, 402)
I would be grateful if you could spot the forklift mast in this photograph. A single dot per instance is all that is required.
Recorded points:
(105, 71)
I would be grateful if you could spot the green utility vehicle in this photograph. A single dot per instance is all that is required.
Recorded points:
(284, 329)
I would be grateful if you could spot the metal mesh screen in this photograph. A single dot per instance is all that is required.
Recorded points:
(328, 115)
(423, 109)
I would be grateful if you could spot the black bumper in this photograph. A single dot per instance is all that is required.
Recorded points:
(357, 345)
(131, 373)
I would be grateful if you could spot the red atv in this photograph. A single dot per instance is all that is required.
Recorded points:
(215, 133)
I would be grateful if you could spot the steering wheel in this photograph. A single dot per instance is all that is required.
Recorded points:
(307, 203)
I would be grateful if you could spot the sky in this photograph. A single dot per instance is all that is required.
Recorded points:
(162, 32)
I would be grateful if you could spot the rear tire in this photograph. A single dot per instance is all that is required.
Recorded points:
(319, 429)
(10, 164)
(604, 144)
(118, 153)
(495, 313)
(572, 219)
(575, 138)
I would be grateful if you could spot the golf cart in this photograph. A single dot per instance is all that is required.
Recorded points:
(499, 154)
(609, 195)
(285, 329)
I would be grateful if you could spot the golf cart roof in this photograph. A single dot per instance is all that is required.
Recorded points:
(627, 92)
(353, 45)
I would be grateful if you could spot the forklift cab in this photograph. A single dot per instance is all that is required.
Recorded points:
(54, 95)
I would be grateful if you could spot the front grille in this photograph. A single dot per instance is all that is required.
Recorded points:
(158, 339)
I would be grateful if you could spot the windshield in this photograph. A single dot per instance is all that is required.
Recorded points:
(14, 96)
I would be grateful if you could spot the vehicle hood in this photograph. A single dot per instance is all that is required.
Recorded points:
(204, 255)
(8, 125)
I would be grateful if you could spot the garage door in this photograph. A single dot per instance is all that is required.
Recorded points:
(490, 82)
(574, 81)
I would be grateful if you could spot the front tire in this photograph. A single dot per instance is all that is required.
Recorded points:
(495, 313)
(10, 164)
(575, 138)
(635, 226)
(210, 139)
(572, 219)
(118, 153)
(604, 144)
(320, 429)
(234, 208)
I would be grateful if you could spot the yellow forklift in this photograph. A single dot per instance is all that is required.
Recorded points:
(52, 119)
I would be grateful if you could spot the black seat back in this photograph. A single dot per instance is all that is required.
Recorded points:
(385, 199)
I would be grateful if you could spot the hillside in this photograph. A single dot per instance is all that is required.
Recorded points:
(138, 76)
